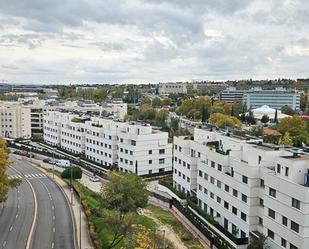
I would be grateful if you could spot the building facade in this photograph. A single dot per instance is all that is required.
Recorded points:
(250, 188)
(231, 94)
(273, 98)
(133, 147)
(169, 88)
(15, 121)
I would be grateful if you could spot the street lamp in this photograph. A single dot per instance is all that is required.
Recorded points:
(71, 181)
(162, 230)
(54, 163)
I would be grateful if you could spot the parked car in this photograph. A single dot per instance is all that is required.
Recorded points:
(50, 161)
(21, 152)
(94, 179)
(63, 163)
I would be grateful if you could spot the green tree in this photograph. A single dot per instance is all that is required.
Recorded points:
(125, 192)
(250, 119)
(76, 173)
(256, 130)
(276, 117)
(205, 113)
(260, 243)
(156, 102)
(265, 119)
(295, 126)
(286, 139)
(288, 110)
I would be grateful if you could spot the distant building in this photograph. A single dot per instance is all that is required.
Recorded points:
(231, 94)
(169, 88)
(276, 99)
(15, 121)
(209, 86)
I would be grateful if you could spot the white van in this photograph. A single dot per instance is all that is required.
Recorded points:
(63, 163)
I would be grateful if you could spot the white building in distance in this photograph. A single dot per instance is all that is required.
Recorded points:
(172, 87)
(15, 121)
(249, 187)
(134, 147)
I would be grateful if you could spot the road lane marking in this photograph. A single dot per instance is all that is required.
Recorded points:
(4, 244)
(54, 230)
(11, 228)
(16, 216)
(52, 245)
(54, 217)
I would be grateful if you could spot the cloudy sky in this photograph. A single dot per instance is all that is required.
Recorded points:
(136, 41)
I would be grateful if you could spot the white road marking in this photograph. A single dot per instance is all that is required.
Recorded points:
(16, 216)
(53, 207)
(54, 217)
(4, 243)
(52, 245)
(11, 228)
(54, 230)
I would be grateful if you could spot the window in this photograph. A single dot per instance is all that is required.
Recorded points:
(188, 179)
(219, 167)
(294, 226)
(212, 180)
(149, 152)
(278, 168)
(218, 184)
(213, 164)
(133, 142)
(261, 221)
(234, 210)
(271, 213)
(212, 195)
(150, 161)
(200, 173)
(206, 176)
(272, 192)
(286, 171)
(261, 202)
(235, 192)
(244, 198)
(271, 234)
(284, 220)
(162, 151)
(243, 216)
(218, 199)
(199, 187)
(293, 247)
(295, 203)
(161, 161)
(283, 242)
(262, 184)
(245, 179)
(179, 149)
(226, 205)
(226, 188)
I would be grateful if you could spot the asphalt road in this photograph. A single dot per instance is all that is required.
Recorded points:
(54, 226)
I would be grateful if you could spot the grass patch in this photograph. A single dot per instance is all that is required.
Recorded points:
(168, 219)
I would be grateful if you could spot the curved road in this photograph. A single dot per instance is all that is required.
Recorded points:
(54, 226)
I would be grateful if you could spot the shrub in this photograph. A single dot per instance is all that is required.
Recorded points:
(76, 173)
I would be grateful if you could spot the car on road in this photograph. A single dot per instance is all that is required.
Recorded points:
(94, 179)
(50, 161)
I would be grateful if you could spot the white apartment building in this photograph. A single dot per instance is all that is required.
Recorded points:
(173, 87)
(15, 121)
(134, 147)
(249, 187)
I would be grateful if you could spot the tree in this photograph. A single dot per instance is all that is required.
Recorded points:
(156, 102)
(265, 119)
(276, 117)
(232, 110)
(250, 119)
(205, 113)
(288, 110)
(125, 192)
(223, 120)
(76, 173)
(5, 182)
(295, 126)
(286, 139)
(256, 130)
(260, 243)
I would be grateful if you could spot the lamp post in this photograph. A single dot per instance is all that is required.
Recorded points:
(54, 163)
(71, 181)
(80, 221)
(162, 230)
